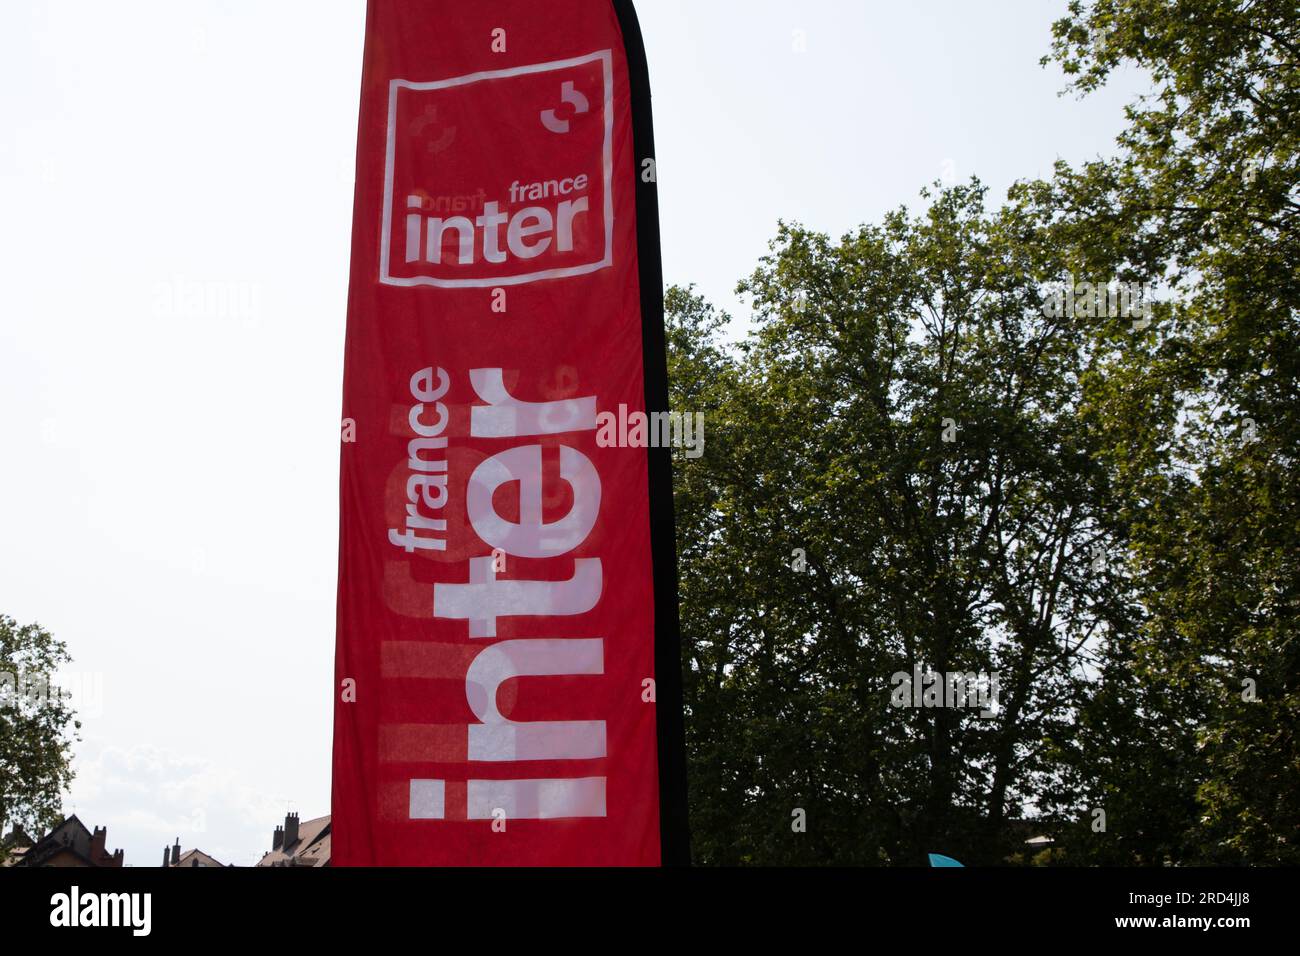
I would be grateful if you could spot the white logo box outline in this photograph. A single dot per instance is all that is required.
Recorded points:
(604, 56)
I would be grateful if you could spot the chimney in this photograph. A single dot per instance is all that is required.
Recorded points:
(167, 856)
(277, 839)
(97, 840)
(290, 830)
(118, 856)
(176, 853)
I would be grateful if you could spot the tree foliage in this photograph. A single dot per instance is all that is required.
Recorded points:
(37, 728)
(1207, 190)
(1112, 529)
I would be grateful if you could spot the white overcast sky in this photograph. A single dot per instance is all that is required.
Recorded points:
(175, 203)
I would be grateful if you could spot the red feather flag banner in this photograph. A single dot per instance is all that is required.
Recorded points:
(508, 683)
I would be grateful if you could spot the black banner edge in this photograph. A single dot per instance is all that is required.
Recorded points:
(674, 828)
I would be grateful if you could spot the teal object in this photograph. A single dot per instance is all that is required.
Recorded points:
(937, 859)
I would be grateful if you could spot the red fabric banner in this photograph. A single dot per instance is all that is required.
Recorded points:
(496, 629)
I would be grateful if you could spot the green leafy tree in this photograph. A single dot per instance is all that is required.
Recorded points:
(897, 474)
(37, 728)
(1206, 190)
(1114, 528)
